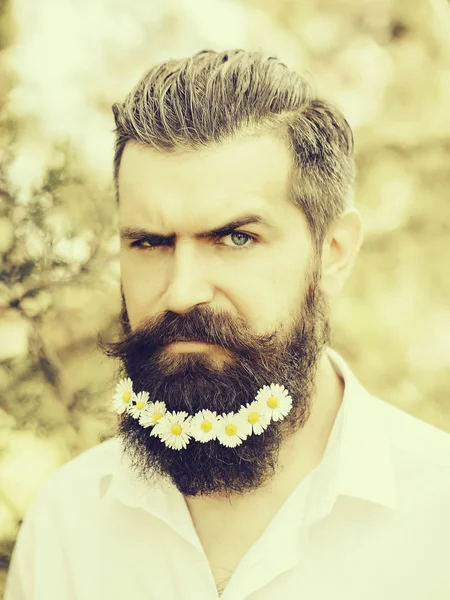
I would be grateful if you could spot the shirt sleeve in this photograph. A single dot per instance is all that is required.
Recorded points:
(19, 579)
(35, 566)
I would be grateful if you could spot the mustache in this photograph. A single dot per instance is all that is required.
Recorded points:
(200, 324)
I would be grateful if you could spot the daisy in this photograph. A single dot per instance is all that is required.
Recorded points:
(138, 405)
(173, 429)
(123, 396)
(232, 429)
(204, 426)
(257, 416)
(276, 400)
(152, 413)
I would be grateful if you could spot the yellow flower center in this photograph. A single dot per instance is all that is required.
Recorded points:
(253, 417)
(272, 402)
(206, 426)
(156, 417)
(230, 429)
(175, 429)
(140, 405)
(126, 397)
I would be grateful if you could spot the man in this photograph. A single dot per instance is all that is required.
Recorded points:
(251, 463)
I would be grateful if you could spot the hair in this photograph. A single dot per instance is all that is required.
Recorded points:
(211, 97)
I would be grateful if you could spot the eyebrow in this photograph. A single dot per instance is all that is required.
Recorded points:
(135, 233)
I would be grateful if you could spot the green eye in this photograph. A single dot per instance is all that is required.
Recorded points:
(240, 240)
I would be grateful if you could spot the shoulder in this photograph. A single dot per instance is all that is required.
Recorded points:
(407, 435)
(63, 518)
(419, 440)
(80, 478)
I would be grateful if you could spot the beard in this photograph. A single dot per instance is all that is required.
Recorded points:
(194, 381)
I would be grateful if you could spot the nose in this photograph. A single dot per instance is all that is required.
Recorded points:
(188, 285)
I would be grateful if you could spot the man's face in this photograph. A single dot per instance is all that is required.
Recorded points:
(261, 280)
(250, 294)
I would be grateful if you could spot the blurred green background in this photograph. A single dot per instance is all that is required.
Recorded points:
(385, 63)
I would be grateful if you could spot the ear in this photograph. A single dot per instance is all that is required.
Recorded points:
(340, 250)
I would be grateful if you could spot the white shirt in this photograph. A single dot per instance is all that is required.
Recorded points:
(371, 521)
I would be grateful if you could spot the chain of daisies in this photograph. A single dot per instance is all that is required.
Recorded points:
(175, 429)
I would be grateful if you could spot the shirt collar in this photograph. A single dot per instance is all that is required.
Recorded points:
(365, 468)
(356, 463)
(158, 497)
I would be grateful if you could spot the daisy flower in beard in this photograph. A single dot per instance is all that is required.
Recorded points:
(204, 426)
(232, 429)
(257, 415)
(139, 402)
(276, 400)
(152, 413)
(173, 429)
(123, 396)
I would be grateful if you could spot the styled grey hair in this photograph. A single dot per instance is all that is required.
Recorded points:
(188, 104)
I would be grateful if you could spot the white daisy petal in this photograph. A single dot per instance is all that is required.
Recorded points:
(152, 413)
(177, 443)
(278, 390)
(275, 398)
(232, 429)
(138, 405)
(204, 426)
(263, 392)
(123, 396)
(173, 429)
(257, 416)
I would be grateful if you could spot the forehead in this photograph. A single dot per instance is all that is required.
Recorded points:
(205, 186)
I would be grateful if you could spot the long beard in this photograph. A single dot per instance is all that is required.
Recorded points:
(195, 381)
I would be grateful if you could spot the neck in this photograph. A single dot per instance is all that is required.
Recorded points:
(304, 450)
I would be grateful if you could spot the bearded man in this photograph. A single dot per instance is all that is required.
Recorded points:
(249, 461)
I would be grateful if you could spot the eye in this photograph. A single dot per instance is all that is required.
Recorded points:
(146, 244)
(240, 238)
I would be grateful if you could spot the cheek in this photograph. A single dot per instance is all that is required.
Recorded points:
(140, 290)
(273, 312)
(274, 299)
